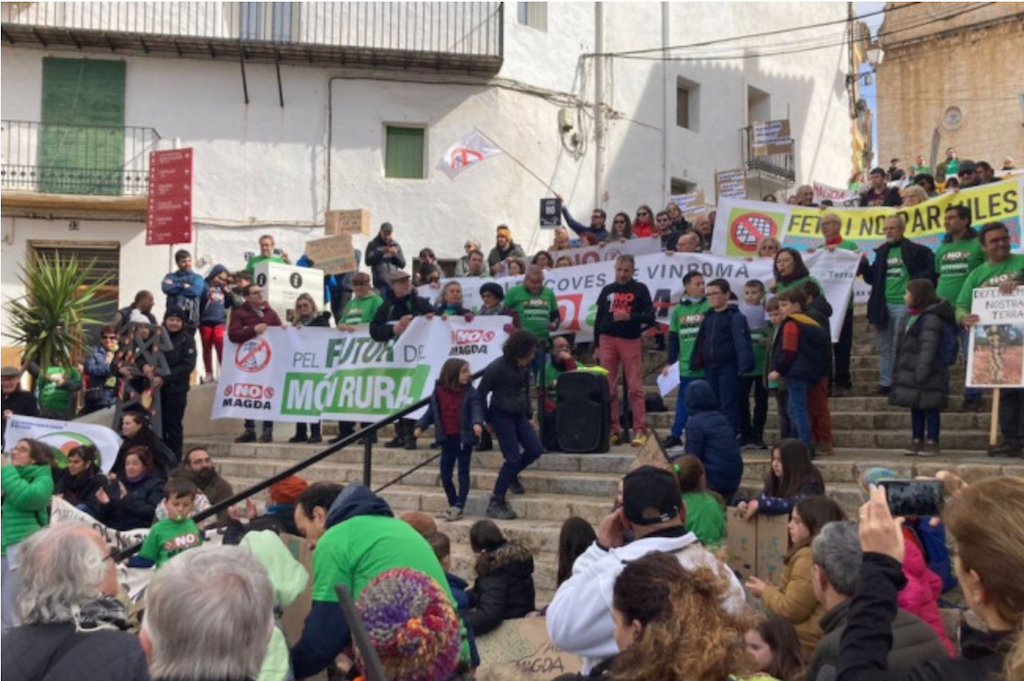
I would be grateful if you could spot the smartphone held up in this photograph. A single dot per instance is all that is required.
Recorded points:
(913, 498)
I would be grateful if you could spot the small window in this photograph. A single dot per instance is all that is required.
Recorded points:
(687, 104)
(533, 14)
(681, 187)
(405, 152)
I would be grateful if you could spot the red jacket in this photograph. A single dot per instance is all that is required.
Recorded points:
(244, 321)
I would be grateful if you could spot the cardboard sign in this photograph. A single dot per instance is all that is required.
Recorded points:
(772, 137)
(651, 454)
(347, 222)
(756, 547)
(730, 184)
(550, 213)
(689, 204)
(333, 254)
(282, 285)
(524, 644)
(995, 356)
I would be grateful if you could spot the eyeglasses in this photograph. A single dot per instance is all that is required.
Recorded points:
(619, 222)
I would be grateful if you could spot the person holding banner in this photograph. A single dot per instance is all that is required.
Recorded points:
(252, 319)
(622, 229)
(643, 224)
(842, 381)
(624, 310)
(896, 262)
(1003, 269)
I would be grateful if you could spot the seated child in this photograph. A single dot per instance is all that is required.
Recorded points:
(705, 512)
(175, 533)
(442, 546)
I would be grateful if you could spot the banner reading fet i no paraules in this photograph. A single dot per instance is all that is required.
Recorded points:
(307, 374)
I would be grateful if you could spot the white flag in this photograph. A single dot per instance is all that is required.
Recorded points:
(472, 149)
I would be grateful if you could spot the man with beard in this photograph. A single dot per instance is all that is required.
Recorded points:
(197, 467)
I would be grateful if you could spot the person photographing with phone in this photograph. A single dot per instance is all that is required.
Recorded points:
(986, 520)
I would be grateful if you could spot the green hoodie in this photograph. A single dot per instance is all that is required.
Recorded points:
(26, 507)
(289, 579)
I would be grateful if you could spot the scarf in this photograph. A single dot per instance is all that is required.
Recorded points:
(106, 612)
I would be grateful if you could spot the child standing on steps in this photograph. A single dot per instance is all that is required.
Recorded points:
(752, 429)
(457, 414)
(776, 385)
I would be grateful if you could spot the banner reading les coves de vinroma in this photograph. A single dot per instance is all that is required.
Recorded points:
(306, 374)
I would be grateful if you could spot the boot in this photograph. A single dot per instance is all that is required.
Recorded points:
(500, 510)
(409, 426)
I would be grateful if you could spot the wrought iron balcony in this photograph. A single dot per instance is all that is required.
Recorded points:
(466, 37)
(75, 159)
(779, 166)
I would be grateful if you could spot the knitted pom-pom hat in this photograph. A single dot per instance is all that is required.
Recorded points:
(412, 624)
(871, 477)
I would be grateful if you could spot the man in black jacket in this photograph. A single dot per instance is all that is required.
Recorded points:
(181, 362)
(393, 317)
(384, 257)
(624, 310)
(897, 261)
(837, 559)
(878, 193)
(15, 400)
(72, 629)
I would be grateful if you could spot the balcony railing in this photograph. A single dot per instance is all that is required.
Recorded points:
(780, 166)
(75, 159)
(441, 35)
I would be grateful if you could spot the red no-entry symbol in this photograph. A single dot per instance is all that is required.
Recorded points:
(748, 229)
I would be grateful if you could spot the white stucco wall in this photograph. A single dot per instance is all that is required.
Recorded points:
(263, 166)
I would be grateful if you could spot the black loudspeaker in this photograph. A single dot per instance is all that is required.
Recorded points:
(582, 412)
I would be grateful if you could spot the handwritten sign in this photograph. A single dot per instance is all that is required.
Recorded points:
(995, 357)
(757, 547)
(689, 203)
(332, 254)
(524, 644)
(837, 195)
(347, 222)
(730, 184)
(772, 137)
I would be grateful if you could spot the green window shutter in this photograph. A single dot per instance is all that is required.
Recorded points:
(81, 145)
(403, 152)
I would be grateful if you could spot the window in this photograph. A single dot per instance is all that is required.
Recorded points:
(81, 140)
(105, 257)
(533, 14)
(405, 152)
(687, 104)
(681, 187)
(759, 106)
(265, 21)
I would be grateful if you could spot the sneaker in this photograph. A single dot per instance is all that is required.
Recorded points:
(453, 513)
(972, 407)
(615, 439)
(208, 378)
(298, 438)
(915, 447)
(882, 390)
(396, 443)
(930, 448)
(671, 442)
(315, 440)
(266, 437)
(500, 510)
(247, 436)
(516, 486)
(639, 440)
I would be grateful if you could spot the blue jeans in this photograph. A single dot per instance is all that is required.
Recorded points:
(925, 420)
(725, 383)
(453, 451)
(680, 423)
(513, 431)
(798, 413)
(886, 337)
(971, 395)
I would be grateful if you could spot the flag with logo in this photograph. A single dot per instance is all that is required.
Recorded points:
(472, 149)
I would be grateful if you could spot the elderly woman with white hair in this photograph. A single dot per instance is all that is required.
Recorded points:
(73, 628)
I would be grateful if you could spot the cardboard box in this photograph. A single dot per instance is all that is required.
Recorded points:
(524, 645)
(333, 254)
(347, 222)
(756, 547)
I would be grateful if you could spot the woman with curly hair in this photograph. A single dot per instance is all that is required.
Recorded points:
(670, 625)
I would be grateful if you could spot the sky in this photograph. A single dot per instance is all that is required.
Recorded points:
(868, 92)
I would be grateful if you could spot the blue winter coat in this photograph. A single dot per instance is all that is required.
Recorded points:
(215, 301)
(723, 339)
(711, 439)
(471, 412)
(184, 289)
(98, 396)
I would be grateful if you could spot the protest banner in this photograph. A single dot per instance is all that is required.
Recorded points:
(730, 184)
(837, 195)
(64, 436)
(524, 644)
(740, 225)
(293, 374)
(995, 356)
(282, 285)
(347, 222)
(609, 250)
(333, 254)
(771, 137)
(689, 204)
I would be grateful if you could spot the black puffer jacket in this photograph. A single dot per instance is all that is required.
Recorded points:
(181, 362)
(505, 591)
(137, 509)
(105, 655)
(921, 379)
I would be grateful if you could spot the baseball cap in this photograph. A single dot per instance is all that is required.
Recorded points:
(648, 489)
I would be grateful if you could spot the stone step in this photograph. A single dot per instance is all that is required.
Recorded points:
(846, 421)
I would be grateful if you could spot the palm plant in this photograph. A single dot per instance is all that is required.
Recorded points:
(48, 320)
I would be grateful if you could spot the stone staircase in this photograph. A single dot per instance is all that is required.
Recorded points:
(867, 431)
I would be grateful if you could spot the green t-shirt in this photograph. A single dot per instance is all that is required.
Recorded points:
(987, 274)
(685, 322)
(361, 310)
(759, 340)
(953, 262)
(534, 310)
(782, 286)
(896, 276)
(53, 397)
(356, 550)
(257, 259)
(168, 538)
(705, 517)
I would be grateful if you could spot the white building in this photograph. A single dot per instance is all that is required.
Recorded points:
(296, 108)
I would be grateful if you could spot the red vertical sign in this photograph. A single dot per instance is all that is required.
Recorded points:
(169, 217)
